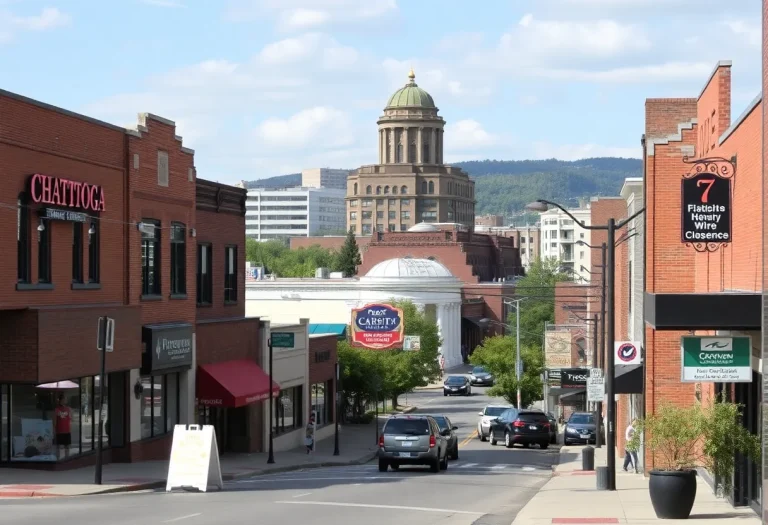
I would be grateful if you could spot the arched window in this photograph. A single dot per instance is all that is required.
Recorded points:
(394, 190)
(424, 187)
(403, 190)
(378, 190)
(22, 239)
(431, 187)
(367, 190)
(386, 190)
(355, 189)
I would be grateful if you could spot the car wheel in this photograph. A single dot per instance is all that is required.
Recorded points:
(455, 454)
(480, 434)
(492, 437)
(394, 466)
(544, 445)
(445, 394)
(444, 463)
(383, 465)
(508, 440)
(435, 466)
(553, 440)
(566, 443)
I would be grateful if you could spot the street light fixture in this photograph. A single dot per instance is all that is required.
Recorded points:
(543, 205)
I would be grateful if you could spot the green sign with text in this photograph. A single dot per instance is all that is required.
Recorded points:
(282, 339)
(716, 359)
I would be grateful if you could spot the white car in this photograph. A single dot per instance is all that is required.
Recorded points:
(487, 415)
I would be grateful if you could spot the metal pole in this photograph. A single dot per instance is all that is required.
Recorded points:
(337, 412)
(517, 357)
(376, 398)
(602, 338)
(609, 385)
(271, 457)
(598, 433)
(102, 381)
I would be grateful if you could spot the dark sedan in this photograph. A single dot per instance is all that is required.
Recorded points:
(480, 376)
(457, 386)
(448, 430)
(580, 428)
(552, 428)
(524, 427)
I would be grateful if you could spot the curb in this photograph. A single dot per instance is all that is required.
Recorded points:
(28, 494)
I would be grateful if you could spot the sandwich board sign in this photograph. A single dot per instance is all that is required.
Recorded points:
(194, 459)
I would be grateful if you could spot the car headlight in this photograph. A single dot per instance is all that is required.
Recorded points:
(570, 430)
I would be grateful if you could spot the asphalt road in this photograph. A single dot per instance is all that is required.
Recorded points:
(487, 486)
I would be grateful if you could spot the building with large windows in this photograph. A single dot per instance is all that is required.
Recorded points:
(410, 184)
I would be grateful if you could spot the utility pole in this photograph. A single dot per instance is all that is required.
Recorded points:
(271, 456)
(599, 437)
(598, 432)
(610, 412)
(518, 364)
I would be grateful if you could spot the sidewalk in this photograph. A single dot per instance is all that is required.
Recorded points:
(357, 444)
(571, 497)
(438, 385)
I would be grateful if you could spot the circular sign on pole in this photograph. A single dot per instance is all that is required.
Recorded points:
(627, 353)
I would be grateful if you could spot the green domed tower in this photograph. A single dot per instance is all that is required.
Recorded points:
(410, 184)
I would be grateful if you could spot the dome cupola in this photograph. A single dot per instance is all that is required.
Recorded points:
(411, 96)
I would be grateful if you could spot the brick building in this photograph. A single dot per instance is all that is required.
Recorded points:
(696, 287)
(105, 225)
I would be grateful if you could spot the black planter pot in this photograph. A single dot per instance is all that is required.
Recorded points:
(673, 493)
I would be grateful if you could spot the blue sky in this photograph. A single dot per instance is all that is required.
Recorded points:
(266, 87)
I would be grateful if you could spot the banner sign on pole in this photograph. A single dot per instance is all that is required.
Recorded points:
(627, 352)
(194, 459)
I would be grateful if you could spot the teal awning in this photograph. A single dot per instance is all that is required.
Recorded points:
(340, 330)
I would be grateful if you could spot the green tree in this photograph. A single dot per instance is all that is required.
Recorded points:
(537, 289)
(280, 260)
(349, 257)
(498, 355)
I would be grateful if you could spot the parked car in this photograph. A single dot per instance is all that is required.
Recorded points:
(553, 428)
(448, 430)
(480, 376)
(524, 427)
(487, 415)
(457, 386)
(580, 428)
(412, 440)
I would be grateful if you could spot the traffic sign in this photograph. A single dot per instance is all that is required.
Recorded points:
(282, 339)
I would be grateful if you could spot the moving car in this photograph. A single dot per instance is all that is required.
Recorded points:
(524, 427)
(487, 415)
(480, 376)
(447, 429)
(412, 440)
(553, 428)
(580, 428)
(457, 386)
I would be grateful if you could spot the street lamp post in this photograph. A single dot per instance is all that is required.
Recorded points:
(337, 413)
(543, 205)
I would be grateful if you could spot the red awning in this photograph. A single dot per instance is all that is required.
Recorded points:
(233, 384)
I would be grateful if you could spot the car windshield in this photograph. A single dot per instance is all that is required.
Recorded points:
(582, 419)
(533, 417)
(455, 380)
(413, 427)
(441, 422)
(479, 370)
(494, 411)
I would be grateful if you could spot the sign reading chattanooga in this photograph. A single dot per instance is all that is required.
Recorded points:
(716, 359)
(44, 189)
(377, 326)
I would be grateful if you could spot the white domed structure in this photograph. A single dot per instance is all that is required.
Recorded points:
(423, 227)
(405, 268)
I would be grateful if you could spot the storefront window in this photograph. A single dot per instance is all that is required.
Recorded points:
(322, 402)
(156, 416)
(288, 410)
(99, 406)
(90, 426)
(4, 422)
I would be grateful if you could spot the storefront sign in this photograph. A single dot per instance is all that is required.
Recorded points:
(574, 377)
(627, 352)
(377, 326)
(63, 215)
(44, 189)
(706, 204)
(557, 348)
(282, 339)
(716, 359)
(554, 377)
(168, 346)
(194, 459)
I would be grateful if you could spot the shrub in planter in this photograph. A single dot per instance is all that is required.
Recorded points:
(682, 439)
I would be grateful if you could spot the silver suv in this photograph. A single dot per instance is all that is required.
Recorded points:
(413, 440)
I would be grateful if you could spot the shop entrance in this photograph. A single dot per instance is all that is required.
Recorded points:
(230, 426)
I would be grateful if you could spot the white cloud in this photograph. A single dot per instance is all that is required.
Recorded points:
(304, 18)
(303, 14)
(751, 32)
(163, 3)
(49, 18)
(529, 100)
(669, 71)
(467, 135)
(311, 45)
(546, 150)
(319, 126)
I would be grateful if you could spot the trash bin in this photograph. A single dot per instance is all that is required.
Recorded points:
(602, 478)
(588, 458)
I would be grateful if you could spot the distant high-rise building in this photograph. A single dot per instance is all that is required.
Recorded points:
(325, 178)
(559, 240)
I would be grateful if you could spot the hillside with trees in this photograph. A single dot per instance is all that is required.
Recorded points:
(504, 187)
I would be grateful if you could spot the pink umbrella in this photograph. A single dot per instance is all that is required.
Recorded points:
(59, 385)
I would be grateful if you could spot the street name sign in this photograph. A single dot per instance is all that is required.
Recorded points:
(716, 359)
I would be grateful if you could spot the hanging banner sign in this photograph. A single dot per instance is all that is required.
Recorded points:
(378, 327)
(716, 359)
(706, 204)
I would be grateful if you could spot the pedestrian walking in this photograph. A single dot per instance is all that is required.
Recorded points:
(630, 448)
(309, 438)
(442, 366)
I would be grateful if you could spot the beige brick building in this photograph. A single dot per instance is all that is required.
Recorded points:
(410, 184)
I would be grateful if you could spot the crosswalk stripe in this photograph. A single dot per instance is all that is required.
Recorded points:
(498, 467)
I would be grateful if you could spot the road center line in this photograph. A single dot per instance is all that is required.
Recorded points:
(302, 495)
(391, 507)
(182, 518)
